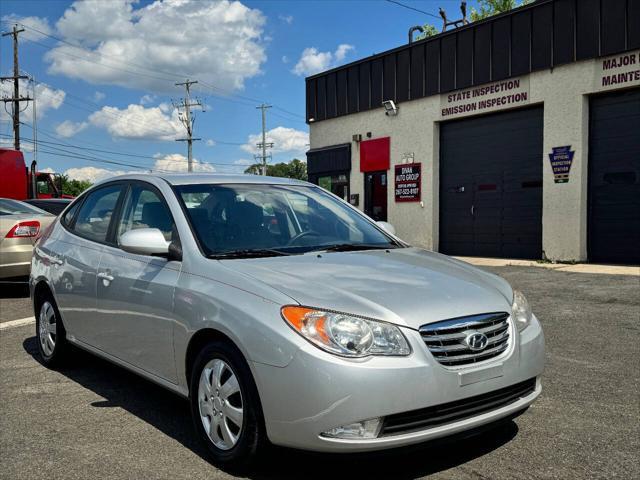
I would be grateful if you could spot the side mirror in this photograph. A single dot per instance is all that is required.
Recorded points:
(387, 227)
(144, 241)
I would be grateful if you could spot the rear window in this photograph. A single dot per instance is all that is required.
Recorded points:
(15, 207)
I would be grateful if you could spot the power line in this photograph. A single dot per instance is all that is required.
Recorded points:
(55, 146)
(84, 59)
(412, 8)
(101, 54)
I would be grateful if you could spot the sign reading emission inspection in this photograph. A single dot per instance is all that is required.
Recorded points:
(486, 98)
(408, 182)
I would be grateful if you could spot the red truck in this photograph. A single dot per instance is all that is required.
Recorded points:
(20, 183)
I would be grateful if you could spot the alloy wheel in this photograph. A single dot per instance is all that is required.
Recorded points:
(220, 404)
(47, 328)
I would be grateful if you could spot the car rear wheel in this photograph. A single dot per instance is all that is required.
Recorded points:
(51, 335)
(225, 407)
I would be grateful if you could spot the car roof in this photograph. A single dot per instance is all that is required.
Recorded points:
(212, 178)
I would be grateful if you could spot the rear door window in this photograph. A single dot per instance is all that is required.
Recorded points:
(94, 217)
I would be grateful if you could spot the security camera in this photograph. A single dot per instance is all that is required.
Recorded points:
(390, 108)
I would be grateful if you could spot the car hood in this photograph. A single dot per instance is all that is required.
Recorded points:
(405, 286)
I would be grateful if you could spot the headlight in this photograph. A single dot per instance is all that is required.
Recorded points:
(345, 334)
(520, 311)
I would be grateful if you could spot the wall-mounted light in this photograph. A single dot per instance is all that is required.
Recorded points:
(390, 108)
(356, 137)
(311, 120)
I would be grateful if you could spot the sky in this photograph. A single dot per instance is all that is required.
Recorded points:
(105, 74)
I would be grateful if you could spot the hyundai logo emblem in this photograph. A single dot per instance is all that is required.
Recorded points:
(476, 341)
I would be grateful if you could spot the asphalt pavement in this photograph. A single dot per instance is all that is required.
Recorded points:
(95, 420)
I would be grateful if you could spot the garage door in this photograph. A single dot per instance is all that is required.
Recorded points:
(614, 178)
(491, 185)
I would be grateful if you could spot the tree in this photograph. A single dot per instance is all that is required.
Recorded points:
(487, 9)
(74, 187)
(429, 31)
(294, 169)
(493, 7)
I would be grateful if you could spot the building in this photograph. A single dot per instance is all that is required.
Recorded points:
(514, 137)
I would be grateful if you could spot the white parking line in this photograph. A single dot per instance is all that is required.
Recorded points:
(17, 323)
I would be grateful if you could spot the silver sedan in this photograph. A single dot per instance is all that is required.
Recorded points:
(284, 314)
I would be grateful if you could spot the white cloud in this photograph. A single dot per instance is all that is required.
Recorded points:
(68, 128)
(48, 98)
(243, 161)
(92, 174)
(147, 99)
(288, 19)
(145, 48)
(341, 52)
(313, 61)
(46, 170)
(139, 122)
(285, 140)
(210, 143)
(175, 162)
(34, 25)
(98, 96)
(285, 59)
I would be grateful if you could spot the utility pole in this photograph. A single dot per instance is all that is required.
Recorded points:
(264, 145)
(16, 99)
(187, 119)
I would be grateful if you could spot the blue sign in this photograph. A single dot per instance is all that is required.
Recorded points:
(561, 159)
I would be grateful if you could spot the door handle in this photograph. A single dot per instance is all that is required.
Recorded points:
(57, 262)
(473, 209)
(106, 278)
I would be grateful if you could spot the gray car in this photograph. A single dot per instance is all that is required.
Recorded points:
(284, 314)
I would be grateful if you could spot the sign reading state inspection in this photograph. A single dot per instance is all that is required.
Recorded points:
(486, 98)
(408, 182)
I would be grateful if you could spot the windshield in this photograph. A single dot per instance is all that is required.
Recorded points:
(276, 219)
(15, 207)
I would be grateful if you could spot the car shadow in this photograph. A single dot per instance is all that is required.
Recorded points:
(169, 413)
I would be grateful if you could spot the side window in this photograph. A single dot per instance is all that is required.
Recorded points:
(95, 214)
(143, 208)
(68, 216)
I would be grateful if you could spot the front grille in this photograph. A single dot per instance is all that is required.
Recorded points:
(455, 411)
(448, 340)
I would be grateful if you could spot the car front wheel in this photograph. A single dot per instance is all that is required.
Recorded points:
(52, 343)
(225, 406)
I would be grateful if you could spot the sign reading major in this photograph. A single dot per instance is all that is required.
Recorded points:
(408, 182)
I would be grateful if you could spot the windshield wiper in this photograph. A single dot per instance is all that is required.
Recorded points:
(353, 247)
(249, 253)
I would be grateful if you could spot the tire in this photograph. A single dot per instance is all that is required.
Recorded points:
(215, 405)
(50, 333)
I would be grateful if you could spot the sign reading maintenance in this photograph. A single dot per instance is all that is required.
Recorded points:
(561, 159)
(487, 98)
(619, 71)
(408, 182)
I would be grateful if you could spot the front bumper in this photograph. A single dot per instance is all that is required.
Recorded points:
(318, 391)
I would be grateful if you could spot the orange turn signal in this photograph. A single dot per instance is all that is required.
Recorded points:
(307, 321)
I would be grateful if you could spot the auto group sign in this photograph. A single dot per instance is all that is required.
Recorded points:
(407, 178)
